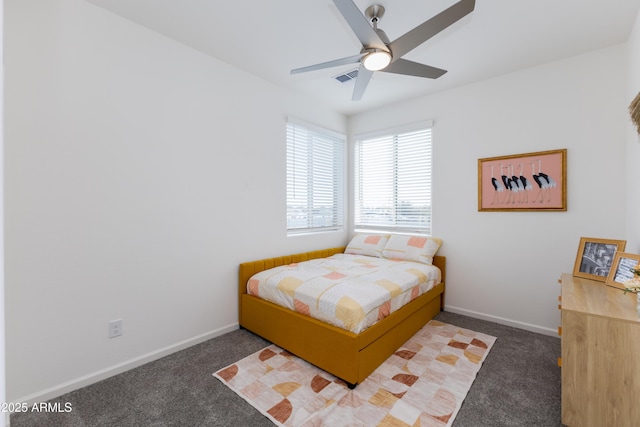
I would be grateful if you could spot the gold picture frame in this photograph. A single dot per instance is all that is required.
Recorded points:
(523, 182)
(621, 269)
(595, 257)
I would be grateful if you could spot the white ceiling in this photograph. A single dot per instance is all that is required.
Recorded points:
(269, 38)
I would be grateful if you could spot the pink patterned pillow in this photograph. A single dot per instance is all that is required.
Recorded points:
(367, 244)
(412, 248)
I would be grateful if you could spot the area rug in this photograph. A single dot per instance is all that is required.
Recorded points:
(422, 384)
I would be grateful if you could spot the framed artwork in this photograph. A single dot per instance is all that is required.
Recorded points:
(595, 257)
(621, 269)
(523, 182)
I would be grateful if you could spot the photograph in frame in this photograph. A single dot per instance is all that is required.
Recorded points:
(621, 269)
(595, 257)
(523, 182)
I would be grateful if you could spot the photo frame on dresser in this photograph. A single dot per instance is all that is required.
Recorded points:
(595, 257)
(621, 269)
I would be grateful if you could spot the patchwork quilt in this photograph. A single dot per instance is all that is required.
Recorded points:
(348, 291)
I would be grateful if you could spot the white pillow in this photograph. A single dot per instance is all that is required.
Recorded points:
(412, 248)
(367, 244)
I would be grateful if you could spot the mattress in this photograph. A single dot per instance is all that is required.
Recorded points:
(348, 291)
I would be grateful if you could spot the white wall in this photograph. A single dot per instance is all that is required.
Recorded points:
(504, 266)
(139, 174)
(632, 197)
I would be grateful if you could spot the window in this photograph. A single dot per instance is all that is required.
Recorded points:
(393, 181)
(315, 179)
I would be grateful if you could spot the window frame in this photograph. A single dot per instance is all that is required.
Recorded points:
(316, 134)
(359, 225)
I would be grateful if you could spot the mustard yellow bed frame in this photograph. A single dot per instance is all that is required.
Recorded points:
(350, 357)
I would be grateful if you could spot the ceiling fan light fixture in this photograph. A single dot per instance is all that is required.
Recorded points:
(376, 60)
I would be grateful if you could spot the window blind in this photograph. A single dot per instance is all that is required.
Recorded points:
(393, 182)
(315, 179)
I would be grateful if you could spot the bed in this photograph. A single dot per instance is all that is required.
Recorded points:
(347, 355)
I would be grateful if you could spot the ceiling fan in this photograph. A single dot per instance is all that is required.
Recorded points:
(380, 54)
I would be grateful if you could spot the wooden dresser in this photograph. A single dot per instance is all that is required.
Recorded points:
(600, 355)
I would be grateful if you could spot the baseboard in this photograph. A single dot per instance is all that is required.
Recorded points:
(503, 321)
(59, 390)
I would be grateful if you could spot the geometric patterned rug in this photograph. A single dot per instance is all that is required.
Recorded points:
(421, 384)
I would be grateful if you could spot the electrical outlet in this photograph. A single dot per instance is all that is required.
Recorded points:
(115, 328)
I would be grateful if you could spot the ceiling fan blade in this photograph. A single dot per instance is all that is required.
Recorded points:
(362, 81)
(343, 61)
(359, 24)
(410, 68)
(430, 28)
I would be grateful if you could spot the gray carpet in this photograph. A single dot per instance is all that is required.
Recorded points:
(518, 385)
